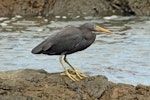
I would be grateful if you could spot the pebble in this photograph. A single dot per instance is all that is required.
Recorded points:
(57, 16)
(111, 17)
(3, 18)
(18, 16)
(3, 24)
(64, 17)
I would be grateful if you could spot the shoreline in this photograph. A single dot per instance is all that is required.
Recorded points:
(75, 8)
(24, 84)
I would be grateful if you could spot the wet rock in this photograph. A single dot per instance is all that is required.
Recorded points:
(126, 92)
(38, 84)
(74, 7)
(82, 7)
(140, 7)
(25, 7)
(30, 84)
(132, 7)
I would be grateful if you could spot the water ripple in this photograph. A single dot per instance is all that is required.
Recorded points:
(122, 57)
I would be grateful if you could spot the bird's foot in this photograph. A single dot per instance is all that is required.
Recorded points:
(78, 73)
(71, 76)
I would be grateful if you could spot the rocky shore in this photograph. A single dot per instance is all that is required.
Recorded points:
(74, 7)
(31, 84)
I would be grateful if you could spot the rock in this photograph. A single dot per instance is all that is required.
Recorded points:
(25, 7)
(126, 92)
(30, 84)
(74, 7)
(38, 84)
(139, 7)
(82, 7)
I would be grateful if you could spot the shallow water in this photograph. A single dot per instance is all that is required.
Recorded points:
(122, 57)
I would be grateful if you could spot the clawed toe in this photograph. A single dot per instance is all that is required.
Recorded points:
(79, 74)
(71, 76)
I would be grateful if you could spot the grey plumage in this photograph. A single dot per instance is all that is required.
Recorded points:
(68, 40)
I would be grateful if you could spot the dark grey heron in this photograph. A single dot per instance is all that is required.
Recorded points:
(67, 41)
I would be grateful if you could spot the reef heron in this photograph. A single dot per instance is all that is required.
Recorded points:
(67, 41)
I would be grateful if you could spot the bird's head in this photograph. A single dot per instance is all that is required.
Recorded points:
(94, 27)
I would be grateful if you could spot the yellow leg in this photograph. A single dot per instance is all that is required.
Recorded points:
(72, 77)
(78, 73)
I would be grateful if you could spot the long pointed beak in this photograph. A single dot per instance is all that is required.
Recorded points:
(100, 29)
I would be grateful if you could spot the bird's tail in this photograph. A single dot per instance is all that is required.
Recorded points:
(42, 47)
(36, 50)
